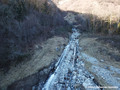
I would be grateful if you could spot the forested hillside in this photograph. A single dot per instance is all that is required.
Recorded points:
(101, 16)
(24, 23)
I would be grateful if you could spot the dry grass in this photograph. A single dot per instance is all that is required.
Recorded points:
(99, 51)
(41, 58)
(102, 8)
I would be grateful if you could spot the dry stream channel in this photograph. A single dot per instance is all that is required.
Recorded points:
(70, 72)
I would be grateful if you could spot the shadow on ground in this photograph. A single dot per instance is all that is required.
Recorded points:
(85, 23)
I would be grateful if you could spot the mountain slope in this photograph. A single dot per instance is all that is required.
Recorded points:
(101, 8)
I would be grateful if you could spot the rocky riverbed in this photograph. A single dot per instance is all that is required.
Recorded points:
(70, 72)
(81, 66)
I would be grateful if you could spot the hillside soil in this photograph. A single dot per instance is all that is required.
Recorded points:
(102, 58)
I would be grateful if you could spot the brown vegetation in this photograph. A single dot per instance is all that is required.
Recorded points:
(23, 24)
(102, 15)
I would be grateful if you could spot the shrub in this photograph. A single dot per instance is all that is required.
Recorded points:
(22, 27)
(19, 9)
(118, 28)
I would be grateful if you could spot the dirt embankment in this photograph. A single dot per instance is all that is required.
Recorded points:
(106, 47)
(44, 54)
(102, 58)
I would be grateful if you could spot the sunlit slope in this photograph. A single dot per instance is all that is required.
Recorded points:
(102, 8)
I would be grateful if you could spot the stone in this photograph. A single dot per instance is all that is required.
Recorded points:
(70, 72)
